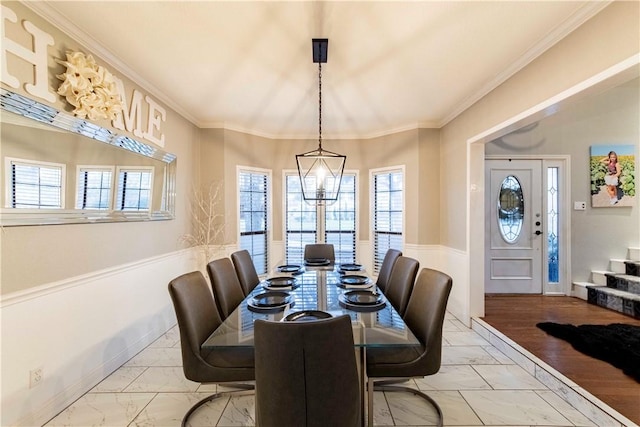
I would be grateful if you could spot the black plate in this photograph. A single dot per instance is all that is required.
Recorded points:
(307, 316)
(317, 261)
(350, 267)
(354, 280)
(271, 299)
(362, 297)
(275, 282)
(289, 268)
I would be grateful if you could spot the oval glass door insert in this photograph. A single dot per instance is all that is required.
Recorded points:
(510, 209)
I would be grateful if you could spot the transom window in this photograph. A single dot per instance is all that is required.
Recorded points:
(388, 208)
(310, 222)
(253, 189)
(34, 185)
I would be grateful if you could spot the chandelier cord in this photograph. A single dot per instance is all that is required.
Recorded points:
(320, 106)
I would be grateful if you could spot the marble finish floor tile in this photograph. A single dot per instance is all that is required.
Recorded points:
(168, 409)
(120, 379)
(479, 383)
(453, 377)
(102, 409)
(508, 377)
(464, 338)
(466, 355)
(157, 356)
(162, 380)
(513, 407)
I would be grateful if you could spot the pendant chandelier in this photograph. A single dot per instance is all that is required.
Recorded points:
(320, 170)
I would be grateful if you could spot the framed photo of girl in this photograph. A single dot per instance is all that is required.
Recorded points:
(613, 175)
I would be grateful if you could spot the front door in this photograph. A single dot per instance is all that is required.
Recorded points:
(513, 226)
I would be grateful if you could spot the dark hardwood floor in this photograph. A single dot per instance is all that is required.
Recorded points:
(516, 317)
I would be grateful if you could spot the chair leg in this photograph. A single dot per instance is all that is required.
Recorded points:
(244, 390)
(370, 386)
(417, 393)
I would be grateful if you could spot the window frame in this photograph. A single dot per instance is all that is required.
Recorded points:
(80, 170)
(268, 212)
(120, 191)
(375, 268)
(320, 213)
(10, 185)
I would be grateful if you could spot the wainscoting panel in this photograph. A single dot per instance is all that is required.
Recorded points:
(80, 330)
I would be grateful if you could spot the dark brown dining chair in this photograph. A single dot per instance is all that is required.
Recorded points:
(424, 317)
(400, 285)
(245, 270)
(385, 269)
(197, 319)
(306, 374)
(320, 250)
(227, 290)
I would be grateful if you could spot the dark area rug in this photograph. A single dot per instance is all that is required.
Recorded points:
(617, 343)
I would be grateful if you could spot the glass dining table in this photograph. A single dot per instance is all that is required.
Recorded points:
(299, 293)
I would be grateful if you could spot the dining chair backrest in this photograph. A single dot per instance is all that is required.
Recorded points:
(245, 270)
(306, 373)
(319, 250)
(227, 290)
(400, 285)
(388, 262)
(425, 315)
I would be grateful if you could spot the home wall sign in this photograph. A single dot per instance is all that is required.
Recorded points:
(132, 115)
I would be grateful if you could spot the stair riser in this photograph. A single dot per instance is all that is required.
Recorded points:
(614, 302)
(631, 286)
(632, 268)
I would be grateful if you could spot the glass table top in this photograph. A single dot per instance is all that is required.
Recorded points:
(375, 322)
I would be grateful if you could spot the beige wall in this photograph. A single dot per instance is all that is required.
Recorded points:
(608, 38)
(37, 255)
(362, 155)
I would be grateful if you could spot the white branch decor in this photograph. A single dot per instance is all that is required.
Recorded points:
(207, 221)
(89, 87)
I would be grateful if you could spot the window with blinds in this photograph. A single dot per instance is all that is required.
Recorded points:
(93, 190)
(35, 185)
(388, 204)
(300, 221)
(253, 188)
(340, 221)
(134, 189)
(306, 221)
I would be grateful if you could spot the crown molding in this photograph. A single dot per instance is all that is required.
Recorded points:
(579, 17)
(49, 13)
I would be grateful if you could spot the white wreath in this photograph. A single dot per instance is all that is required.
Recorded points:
(89, 87)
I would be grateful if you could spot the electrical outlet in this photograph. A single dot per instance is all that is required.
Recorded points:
(35, 377)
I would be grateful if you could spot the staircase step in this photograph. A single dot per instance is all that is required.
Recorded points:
(615, 299)
(579, 289)
(624, 282)
(632, 268)
(599, 277)
(634, 253)
(618, 265)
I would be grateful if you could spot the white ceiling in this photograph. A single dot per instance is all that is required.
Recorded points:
(248, 65)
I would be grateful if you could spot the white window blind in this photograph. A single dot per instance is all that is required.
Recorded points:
(340, 221)
(93, 190)
(134, 189)
(305, 221)
(300, 221)
(35, 185)
(388, 205)
(253, 190)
